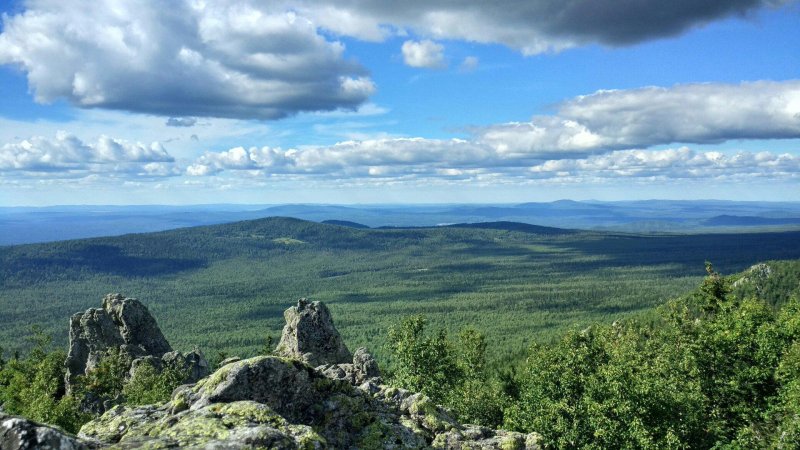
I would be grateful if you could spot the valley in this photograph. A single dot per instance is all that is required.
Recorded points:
(224, 287)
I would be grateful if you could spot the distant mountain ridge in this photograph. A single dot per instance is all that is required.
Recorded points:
(727, 220)
(29, 225)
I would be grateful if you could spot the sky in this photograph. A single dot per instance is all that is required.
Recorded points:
(365, 101)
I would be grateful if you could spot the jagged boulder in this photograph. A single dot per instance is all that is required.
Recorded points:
(309, 335)
(193, 364)
(123, 323)
(263, 401)
(18, 433)
(126, 325)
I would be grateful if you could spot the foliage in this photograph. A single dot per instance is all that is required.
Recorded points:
(451, 374)
(148, 385)
(34, 387)
(424, 362)
(716, 371)
(516, 286)
(106, 380)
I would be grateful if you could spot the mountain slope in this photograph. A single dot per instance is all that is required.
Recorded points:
(516, 286)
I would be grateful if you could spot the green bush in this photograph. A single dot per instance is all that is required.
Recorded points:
(451, 374)
(33, 387)
(148, 385)
(716, 371)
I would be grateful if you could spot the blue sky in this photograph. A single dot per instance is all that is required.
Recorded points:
(358, 101)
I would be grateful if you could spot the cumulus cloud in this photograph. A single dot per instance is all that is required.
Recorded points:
(367, 157)
(455, 159)
(531, 26)
(69, 156)
(222, 59)
(426, 54)
(606, 132)
(636, 118)
(677, 163)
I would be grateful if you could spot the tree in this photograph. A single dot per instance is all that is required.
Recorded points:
(423, 362)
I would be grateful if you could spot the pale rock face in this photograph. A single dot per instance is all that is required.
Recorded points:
(363, 368)
(309, 335)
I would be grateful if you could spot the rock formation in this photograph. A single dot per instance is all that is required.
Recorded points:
(17, 433)
(363, 368)
(309, 335)
(124, 324)
(277, 402)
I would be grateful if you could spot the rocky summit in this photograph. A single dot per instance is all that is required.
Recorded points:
(124, 325)
(309, 335)
(312, 395)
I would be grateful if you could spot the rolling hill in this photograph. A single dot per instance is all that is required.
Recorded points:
(224, 287)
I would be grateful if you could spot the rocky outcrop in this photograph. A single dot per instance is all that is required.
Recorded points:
(309, 335)
(124, 324)
(756, 276)
(17, 433)
(283, 402)
(277, 402)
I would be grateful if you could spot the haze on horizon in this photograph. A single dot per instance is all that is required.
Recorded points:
(345, 102)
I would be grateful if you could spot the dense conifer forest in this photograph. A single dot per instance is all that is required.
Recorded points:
(224, 287)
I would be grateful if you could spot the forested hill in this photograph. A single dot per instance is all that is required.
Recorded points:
(224, 287)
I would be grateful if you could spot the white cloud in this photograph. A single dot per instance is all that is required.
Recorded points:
(636, 118)
(216, 58)
(373, 157)
(605, 132)
(677, 163)
(426, 54)
(70, 157)
(401, 158)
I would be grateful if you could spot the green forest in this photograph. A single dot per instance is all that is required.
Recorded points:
(718, 367)
(593, 340)
(224, 288)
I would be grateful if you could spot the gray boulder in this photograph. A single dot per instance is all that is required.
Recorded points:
(309, 335)
(17, 433)
(363, 368)
(264, 401)
(123, 323)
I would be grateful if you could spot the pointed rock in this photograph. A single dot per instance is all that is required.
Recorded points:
(123, 323)
(309, 335)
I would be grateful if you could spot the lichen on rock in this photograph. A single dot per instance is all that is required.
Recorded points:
(278, 401)
(309, 335)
